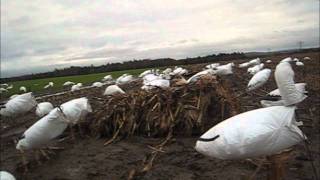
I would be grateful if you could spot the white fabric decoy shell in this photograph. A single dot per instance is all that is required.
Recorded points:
(269, 61)
(167, 71)
(267, 103)
(259, 79)
(113, 89)
(288, 59)
(43, 109)
(22, 88)
(160, 83)
(75, 88)
(301, 87)
(243, 65)
(46, 86)
(306, 58)
(195, 77)
(295, 59)
(43, 131)
(284, 76)
(179, 71)
(253, 70)
(3, 90)
(224, 69)
(4, 175)
(107, 78)
(76, 109)
(145, 73)
(18, 105)
(255, 61)
(255, 133)
(125, 78)
(68, 83)
(299, 63)
(212, 66)
(97, 84)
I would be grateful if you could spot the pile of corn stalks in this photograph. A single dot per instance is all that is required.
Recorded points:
(184, 109)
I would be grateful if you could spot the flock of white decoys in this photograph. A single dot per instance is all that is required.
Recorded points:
(259, 132)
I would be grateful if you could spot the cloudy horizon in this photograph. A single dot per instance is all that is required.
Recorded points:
(38, 36)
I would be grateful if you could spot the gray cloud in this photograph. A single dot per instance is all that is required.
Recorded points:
(42, 35)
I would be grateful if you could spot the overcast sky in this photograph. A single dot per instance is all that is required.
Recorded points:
(37, 36)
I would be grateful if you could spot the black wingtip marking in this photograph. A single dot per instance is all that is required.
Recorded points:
(209, 139)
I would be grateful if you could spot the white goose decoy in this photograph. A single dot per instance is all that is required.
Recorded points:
(49, 85)
(75, 88)
(97, 84)
(288, 59)
(306, 58)
(22, 88)
(255, 133)
(255, 61)
(46, 86)
(112, 90)
(125, 78)
(160, 83)
(13, 96)
(295, 59)
(76, 109)
(107, 78)
(167, 71)
(4, 175)
(301, 87)
(259, 79)
(212, 66)
(4, 85)
(68, 83)
(299, 63)
(18, 105)
(253, 70)
(269, 61)
(195, 77)
(179, 71)
(150, 77)
(9, 87)
(284, 76)
(43, 109)
(3, 90)
(224, 69)
(244, 65)
(145, 73)
(43, 131)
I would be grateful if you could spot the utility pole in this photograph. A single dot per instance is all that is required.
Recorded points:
(300, 43)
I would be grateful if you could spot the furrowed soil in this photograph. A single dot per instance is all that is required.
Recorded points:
(85, 156)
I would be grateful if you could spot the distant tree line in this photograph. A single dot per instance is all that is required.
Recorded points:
(133, 64)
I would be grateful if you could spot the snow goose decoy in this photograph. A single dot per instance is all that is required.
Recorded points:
(112, 90)
(284, 76)
(22, 88)
(19, 104)
(43, 109)
(199, 74)
(68, 83)
(299, 63)
(97, 84)
(259, 79)
(255, 133)
(107, 78)
(4, 175)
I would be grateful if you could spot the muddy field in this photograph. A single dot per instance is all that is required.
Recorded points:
(85, 156)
